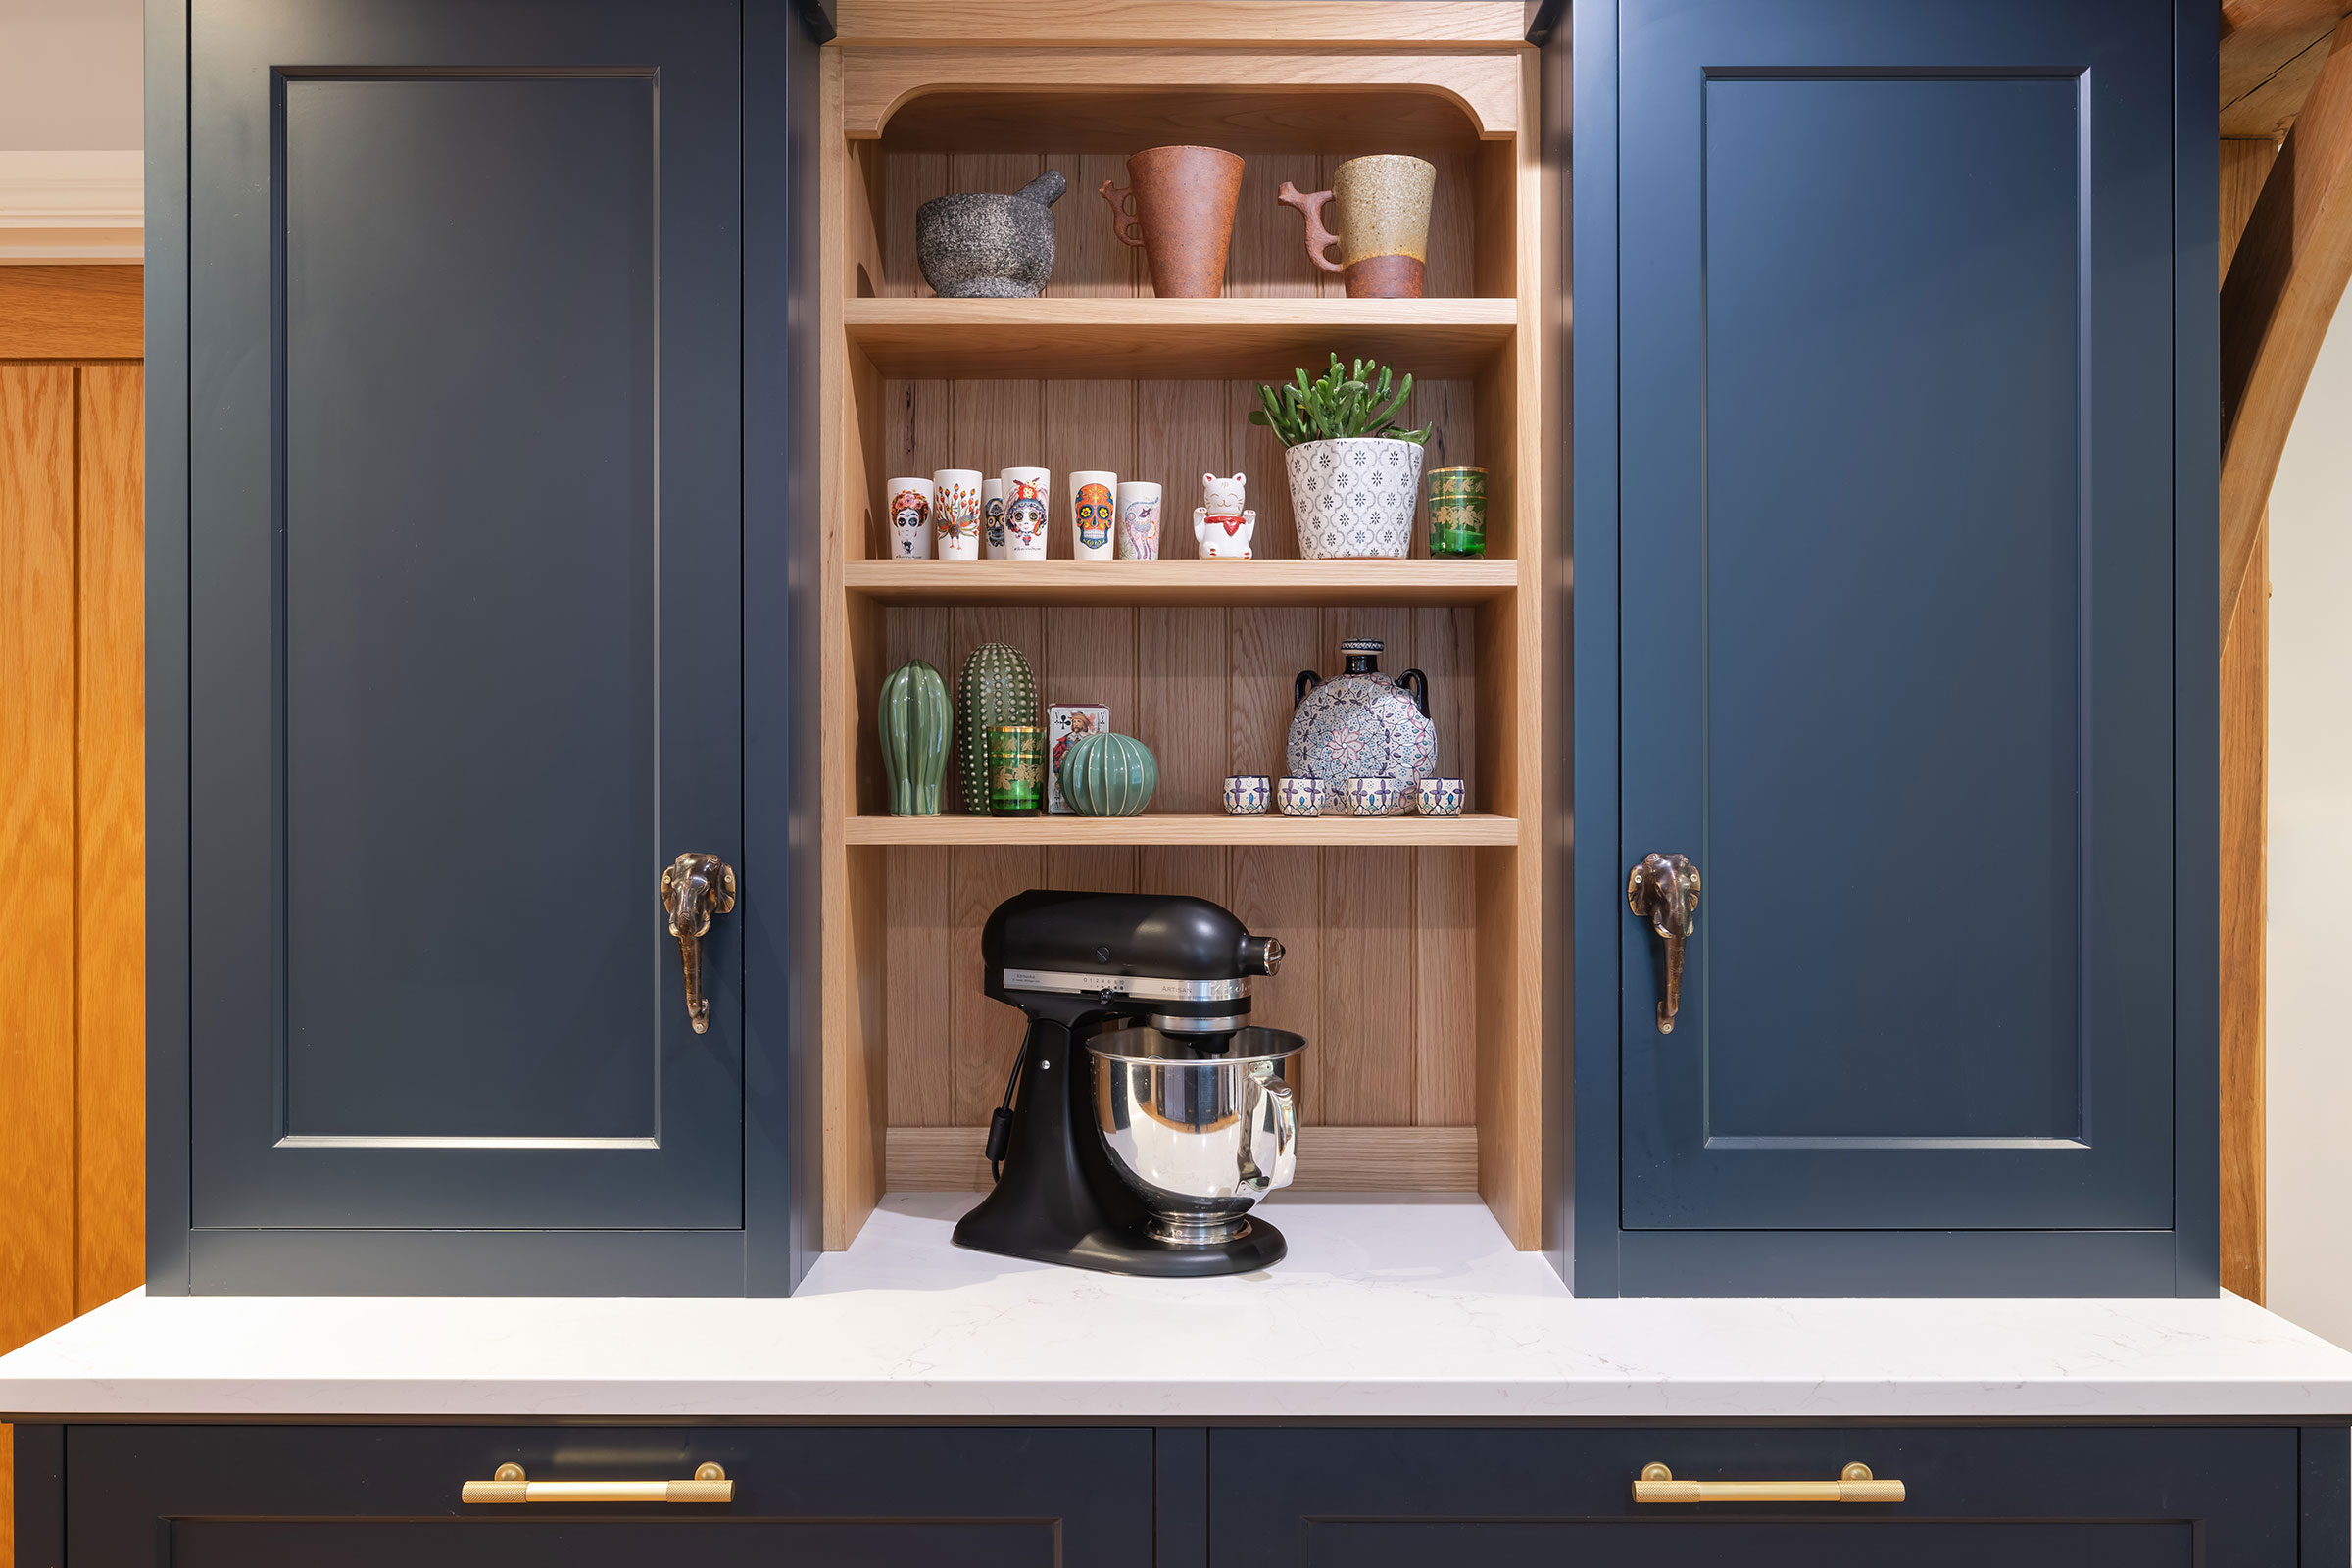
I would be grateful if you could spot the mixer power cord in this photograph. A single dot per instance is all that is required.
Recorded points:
(999, 1121)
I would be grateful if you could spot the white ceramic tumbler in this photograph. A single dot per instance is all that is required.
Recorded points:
(911, 504)
(956, 513)
(991, 517)
(1138, 520)
(1028, 500)
(1094, 514)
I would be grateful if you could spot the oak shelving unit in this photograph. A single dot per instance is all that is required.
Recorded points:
(1296, 583)
(1419, 945)
(1186, 827)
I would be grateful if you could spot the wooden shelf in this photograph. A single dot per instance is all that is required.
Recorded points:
(1175, 828)
(1182, 583)
(1120, 339)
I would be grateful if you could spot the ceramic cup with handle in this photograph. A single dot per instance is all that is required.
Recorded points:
(1384, 206)
(1138, 520)
(1028, 503)
(911, 504)
(1182, 218)
(956, 513)
(1094, 514)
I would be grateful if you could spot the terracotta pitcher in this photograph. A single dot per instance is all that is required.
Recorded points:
(1184, 200)
(1384, 204)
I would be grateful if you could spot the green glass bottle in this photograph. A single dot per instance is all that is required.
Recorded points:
(998, 687)
(916, 720)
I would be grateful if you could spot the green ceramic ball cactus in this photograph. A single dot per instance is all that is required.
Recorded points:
(915, 722)
(998, 688)
(1109, 774)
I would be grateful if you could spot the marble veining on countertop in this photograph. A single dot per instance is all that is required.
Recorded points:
(1386, 1307)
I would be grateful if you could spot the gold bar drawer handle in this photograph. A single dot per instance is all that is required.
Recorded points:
(511, 1485)
(1854, 1484)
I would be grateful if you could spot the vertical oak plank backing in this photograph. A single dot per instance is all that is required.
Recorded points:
(1182, 432)
(1089, 260)
(988, 1033)
(37, 913)
(1366, 1076)
(2244, 838)
(111, 968)
(909, 179)
(1268, 255)
(1279, 892)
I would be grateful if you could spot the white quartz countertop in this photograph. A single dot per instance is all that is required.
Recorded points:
(1384, 1308)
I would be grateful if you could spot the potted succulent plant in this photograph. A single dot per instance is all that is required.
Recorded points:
(1354, 476)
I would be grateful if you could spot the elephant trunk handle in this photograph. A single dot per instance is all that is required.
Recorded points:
(695, 887)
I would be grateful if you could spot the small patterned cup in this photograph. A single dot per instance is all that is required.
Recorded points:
(1302, 796)
(1372, 797)
(1247, 795)
(1440, 797)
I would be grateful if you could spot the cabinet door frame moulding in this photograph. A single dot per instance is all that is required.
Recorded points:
(1602, 1256)
(778, 1235)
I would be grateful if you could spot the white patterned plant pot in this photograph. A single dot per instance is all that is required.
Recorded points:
(1354, 498)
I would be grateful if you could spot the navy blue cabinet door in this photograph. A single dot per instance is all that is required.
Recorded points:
(465, 638)
(1895, 526)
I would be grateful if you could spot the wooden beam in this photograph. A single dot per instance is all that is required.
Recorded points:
(2282, 291)
(2244, 828)
(2271, 52)
(2244, 885)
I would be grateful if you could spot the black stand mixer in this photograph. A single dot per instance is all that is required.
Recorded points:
(1144, 1114)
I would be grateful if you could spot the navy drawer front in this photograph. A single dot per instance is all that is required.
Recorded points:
(2015, 1495)
(875, 1496)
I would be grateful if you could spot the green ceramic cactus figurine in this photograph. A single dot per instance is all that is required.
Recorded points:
(1109, 774)
(915, 722)
(998, 688)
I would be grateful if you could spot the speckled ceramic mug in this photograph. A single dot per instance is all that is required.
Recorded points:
(1383, 213)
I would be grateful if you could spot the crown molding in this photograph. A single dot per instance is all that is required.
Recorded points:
(72, 207)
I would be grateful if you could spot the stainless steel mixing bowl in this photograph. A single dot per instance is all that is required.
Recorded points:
(1198, 1137)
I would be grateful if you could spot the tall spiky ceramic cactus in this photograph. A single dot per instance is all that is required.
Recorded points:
(915, 722)
(998, 687)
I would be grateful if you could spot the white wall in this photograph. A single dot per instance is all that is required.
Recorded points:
(69, 75)
(2310, 958)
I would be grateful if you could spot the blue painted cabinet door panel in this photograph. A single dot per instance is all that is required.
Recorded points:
(464, 640)
(1896, 611)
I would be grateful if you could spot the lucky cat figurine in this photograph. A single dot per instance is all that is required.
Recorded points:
(1223, 528)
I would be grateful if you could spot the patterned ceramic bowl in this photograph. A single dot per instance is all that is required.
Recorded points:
(1247, 795)
(1302, 797)
(1372, 797)
(1440, 797)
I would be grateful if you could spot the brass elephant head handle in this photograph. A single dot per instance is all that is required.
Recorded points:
(1664, 891)
(694, 888)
